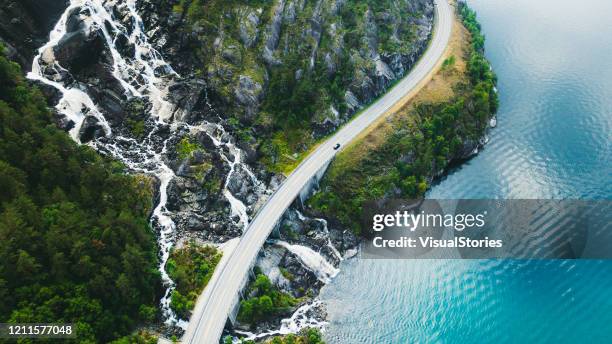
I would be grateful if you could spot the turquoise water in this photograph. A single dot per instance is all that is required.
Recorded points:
(553, 140)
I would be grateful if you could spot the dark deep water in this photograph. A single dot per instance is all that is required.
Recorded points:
(553, 140)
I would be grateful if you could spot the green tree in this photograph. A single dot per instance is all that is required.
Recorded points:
(75, 245)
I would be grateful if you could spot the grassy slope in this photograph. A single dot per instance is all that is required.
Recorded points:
(399, 157)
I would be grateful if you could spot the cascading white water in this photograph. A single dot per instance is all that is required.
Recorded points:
(144, 75)
(311, 260)
(298, 321)
(136, 76)
(220, 139)
(331, 246)
(74, 103)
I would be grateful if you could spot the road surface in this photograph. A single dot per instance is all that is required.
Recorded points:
(209, 318)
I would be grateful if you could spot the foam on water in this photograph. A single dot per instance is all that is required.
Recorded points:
(300, 319)
(312, 260)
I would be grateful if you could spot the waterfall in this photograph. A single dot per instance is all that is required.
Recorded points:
(300, 319)
(219, 138)
(312, 260)
(144, 75)
(329, 244)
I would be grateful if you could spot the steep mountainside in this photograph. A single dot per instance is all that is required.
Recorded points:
(284, 73)
(25, 26)
(444, 124)
(75, 245)
(211, 100)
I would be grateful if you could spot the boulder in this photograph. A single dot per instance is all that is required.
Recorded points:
(90, 129)
(81, 47)
(25, 26)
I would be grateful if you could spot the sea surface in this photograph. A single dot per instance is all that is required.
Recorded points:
(553, 140)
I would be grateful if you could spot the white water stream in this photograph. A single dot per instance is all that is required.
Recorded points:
(144, 75)
(312, 260)
(298, 321)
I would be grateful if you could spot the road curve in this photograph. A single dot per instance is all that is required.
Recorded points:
(208, 320)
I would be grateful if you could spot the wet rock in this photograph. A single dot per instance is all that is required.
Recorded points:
(81, 48)
(62, 121)
(249, 151)
(300, 279)
(195, 223)
(90, 129)
(206, 141)
(185, 95)
(124, 46)
(241, 186)
(52, 94)
(25, 26)
(468, 149)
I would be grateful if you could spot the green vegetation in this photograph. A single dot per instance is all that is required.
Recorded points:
(306, 336)
(288, 275)
(75, 244)
(190, 267)
(141, 337)
(136, 127)
(265, 301)
(420, 145)
(297, 94)
(295, 104)
(186, 147)
(449, 63)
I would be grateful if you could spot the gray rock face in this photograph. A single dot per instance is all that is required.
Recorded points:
(185, 95)
(249, 28)
(249, 94)
(299, 37)
(273, 34)
(81, 47)
(313, 232)
(241, 186)
(25, 26)
(90, 129)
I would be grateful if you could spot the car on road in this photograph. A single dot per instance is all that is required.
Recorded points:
(336, 146)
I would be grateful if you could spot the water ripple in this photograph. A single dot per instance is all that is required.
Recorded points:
(553, 140)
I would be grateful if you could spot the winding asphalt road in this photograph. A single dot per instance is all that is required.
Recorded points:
(215, 305)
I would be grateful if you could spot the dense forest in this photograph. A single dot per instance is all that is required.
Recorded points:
(418, 149)
(190, 267)
(75, 243)
(265, 301)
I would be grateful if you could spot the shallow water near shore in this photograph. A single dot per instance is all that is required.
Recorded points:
(553, 140)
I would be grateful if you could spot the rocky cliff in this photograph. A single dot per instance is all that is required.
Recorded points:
(25, 26)
(284, 73)
(212, 98)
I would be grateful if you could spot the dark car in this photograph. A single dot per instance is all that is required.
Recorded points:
(336, 146)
